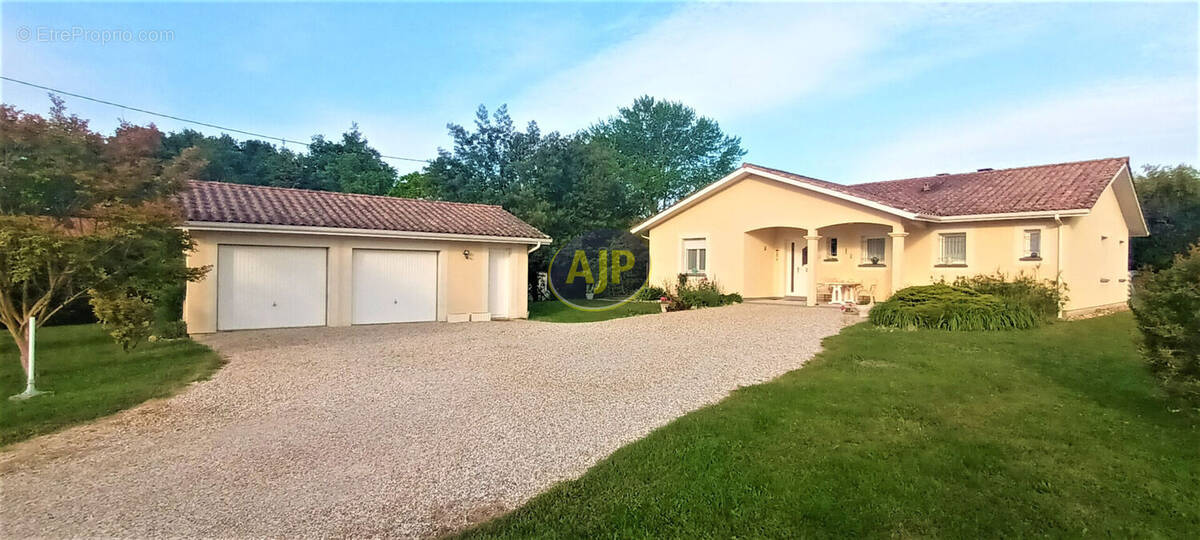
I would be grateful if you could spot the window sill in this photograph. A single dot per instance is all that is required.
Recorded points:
(695, 274)
(1030, 259)
(868, 265)
(949, 266)
(830, 259)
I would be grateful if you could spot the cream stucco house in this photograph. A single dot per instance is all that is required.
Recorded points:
(769, 233)
(292, 257)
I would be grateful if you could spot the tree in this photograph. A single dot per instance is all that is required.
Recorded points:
(81, 213)
(414, 185)
(483, 165)
(1167, 309)
(1170, 198)
(667, 150)
(349, 166)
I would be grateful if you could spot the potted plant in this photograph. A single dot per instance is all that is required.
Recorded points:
(663, 302)
(590, 292)
(874, 260)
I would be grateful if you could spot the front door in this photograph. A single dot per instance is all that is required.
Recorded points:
(797, 270)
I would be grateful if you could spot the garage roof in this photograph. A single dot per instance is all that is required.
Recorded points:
(221, 202)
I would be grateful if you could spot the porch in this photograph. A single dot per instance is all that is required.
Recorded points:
(832, 264)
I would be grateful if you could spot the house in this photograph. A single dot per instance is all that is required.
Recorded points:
(769, 233)
(292, 257)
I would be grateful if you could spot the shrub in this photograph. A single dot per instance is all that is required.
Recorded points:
(947, 307)
(1166, 306)
(172, 330)
(127, 318)
(700, 293)
(650, 292)
(1044, 296)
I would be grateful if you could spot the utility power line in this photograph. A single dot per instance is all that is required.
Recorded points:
(283, 140)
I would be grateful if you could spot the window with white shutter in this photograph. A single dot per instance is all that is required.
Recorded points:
(953, 248)
(1032, 244)
(695, 255)
(874, 250)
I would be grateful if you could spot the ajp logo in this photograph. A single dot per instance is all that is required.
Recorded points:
(600, 269)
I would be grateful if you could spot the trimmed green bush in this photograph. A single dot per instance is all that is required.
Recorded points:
(947, 307)
(1166, 305)
(1044, 296)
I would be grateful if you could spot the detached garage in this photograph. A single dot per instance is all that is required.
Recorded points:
(292, 258)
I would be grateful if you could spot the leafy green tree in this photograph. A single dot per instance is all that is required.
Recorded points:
(1170, 198)
(84, 214)
(483, 165)
(1167, 308)
(349, 166)
(667, 150)
(414, 185)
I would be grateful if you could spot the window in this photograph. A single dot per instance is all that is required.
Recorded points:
(833, 248)
(695, 255)
(873, 250)
(1032, 244)
(953, 248)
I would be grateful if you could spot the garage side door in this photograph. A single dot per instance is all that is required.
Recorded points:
(270, 287)
(394, 286)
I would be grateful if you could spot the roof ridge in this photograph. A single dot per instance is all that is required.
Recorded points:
(363, 195)
(1125, 158)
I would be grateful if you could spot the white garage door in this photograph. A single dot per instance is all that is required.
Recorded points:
(270, 287)
(394, 286)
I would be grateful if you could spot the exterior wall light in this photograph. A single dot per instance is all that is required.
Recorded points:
(467, 254)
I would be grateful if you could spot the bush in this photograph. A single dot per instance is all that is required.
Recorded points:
(172, 330)
(1044, 296)
(127, 318)
(650, 292)
(947, 307)
(700, 293)
(1166, 306)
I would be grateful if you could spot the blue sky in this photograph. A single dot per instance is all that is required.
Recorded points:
(848, 93)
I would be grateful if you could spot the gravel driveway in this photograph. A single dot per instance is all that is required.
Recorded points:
(393, 430)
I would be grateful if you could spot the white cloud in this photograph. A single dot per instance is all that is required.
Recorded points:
(1153, 121)
(727, 61)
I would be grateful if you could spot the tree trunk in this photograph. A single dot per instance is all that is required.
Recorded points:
(22, 341)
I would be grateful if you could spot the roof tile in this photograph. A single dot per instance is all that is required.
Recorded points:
(262, 205)
(1062, 186)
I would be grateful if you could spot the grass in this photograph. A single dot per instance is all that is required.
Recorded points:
(555, 311)
(1057, 431)
(91, 377)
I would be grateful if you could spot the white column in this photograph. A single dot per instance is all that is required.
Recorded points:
(897, 260)
(813, 249)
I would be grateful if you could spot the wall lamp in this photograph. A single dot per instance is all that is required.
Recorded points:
(467, 254)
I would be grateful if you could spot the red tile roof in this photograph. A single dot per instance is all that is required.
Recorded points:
(1062, 186)
(239, 203)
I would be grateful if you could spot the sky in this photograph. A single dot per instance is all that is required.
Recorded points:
(843, 92)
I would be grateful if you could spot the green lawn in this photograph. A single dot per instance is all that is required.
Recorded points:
(555, 311)
(1057, 431)
(91, 377)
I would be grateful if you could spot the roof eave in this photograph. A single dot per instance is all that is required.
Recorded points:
(712, 188)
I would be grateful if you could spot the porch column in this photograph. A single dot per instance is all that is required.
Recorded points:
(810, 296)
(897, 260)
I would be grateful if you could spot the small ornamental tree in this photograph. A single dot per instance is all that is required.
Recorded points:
(1167, 308)
(85, 214)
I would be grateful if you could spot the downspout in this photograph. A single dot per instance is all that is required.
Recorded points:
(534, 248)
(1058, 251)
